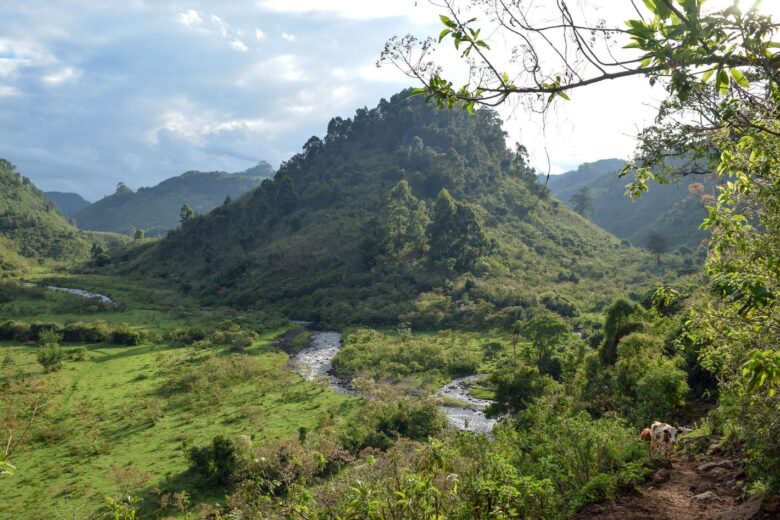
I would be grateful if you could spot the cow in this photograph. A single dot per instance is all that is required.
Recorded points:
(663, 438)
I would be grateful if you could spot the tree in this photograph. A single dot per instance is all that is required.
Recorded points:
(547, 332)
(139, 234)
(96, 251)
(457, 237)
(122, 189)
(185, 214)
(403, 222)
(286, 198)
(658, 244)
(582, 202)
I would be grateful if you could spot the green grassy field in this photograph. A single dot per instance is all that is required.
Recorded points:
(128, 412)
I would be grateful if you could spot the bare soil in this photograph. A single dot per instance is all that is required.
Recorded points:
(686, 489)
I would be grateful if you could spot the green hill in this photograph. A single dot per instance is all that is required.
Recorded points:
(156, 209)
(68, 203)
(402, 213)
(31, 227)
(672, 210)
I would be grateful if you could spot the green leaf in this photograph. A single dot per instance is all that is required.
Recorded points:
(707, 75)
(446, 21)
(739, 78)
(564, 95)
(443, 34)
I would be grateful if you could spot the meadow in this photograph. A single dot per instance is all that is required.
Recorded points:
(120, 418)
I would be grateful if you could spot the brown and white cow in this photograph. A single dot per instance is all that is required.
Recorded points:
(663, 438)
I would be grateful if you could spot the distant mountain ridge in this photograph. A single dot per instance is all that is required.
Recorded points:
(674, 211)
(68, 203)
(156, 210)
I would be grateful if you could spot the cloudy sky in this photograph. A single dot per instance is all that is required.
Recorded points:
(95, 92)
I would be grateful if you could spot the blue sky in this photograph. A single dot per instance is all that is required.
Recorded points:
(94, 92)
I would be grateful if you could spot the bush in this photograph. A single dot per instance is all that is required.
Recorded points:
(124, 335)
(50, 358)
(15, 331)
(217, 463)
(79, 332)
(180, 337)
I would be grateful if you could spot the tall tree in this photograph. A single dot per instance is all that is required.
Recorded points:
(404, 221)
(582, 202)
(658, 244)
(185, 213)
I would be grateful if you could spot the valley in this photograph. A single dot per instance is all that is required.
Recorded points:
(405, 319)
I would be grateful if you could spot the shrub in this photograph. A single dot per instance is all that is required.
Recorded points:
(123, 335)
(79, 332)
(15, 331)
(76, 354)
(50, 358)
(179, 337)
(217, 463)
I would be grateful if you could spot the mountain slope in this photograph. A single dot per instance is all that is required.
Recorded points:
(68, 203)
(156, 209)
(30, 226)
(673, 210)
(402, 213)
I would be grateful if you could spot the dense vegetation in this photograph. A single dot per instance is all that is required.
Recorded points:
(155, 210)
(31, 227)
(68, 203)
(673, 210)
(404, 213)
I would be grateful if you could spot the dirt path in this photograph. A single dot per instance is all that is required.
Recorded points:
(686, 489)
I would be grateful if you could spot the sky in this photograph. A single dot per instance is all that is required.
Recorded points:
(93, 93)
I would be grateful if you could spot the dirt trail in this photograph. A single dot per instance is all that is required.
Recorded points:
(686, 489)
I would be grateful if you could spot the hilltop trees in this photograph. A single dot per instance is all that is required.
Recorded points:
(404, 222)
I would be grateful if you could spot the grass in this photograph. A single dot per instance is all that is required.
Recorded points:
(136, 409)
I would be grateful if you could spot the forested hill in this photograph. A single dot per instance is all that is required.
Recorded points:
(673, 211)
(31, 227)
(402, 213)
(156, 210)
(68, 203)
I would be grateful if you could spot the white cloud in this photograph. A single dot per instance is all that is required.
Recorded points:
(259, 35)
(285, 67)
(417, 10)
(189, 18)
(288, 36)
(9, 91)
(221, 25)
(239, 45)
(61, 76)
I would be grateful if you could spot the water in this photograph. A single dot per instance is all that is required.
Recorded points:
(84, 294)
(316, 361)
(472, 417)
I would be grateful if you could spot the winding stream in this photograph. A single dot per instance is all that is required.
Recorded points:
(316, 361)
(102, 298)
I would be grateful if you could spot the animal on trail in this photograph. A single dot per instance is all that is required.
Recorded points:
(663, 438)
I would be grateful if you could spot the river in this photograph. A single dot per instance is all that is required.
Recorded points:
(316, 361)
(102, 298)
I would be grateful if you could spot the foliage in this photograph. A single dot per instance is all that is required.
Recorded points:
(402, 213)
(155, 210)
(582, 202)
(31, 225)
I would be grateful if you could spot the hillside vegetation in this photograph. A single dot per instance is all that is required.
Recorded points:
(673, 211)
(403, 213)
(68, 203)
(31, 227)
(156, 210)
